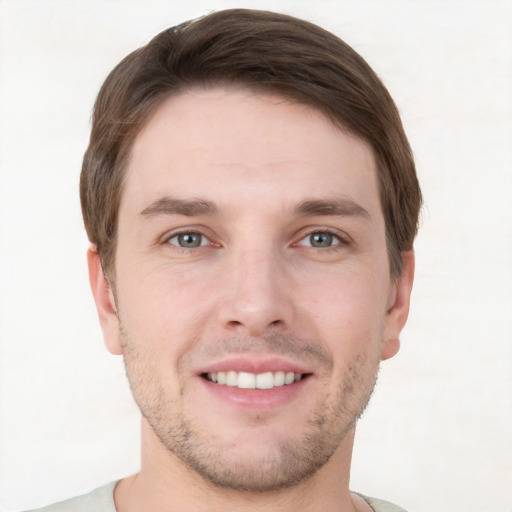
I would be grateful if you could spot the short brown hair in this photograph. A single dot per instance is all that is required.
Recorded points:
(259, 50)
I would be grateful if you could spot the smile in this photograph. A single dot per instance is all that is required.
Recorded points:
(246, 380)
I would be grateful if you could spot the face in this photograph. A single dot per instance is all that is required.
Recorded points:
(253, 298)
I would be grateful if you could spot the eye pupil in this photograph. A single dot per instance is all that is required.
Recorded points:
(321, 239)
(189, 240)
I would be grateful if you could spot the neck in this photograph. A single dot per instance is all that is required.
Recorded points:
(165, 483)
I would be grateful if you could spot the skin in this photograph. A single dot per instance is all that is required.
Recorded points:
(291, 270)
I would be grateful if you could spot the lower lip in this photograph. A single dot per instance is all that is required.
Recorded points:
(256, 398)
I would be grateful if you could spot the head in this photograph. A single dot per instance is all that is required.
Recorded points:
(260, 51)
(252, 201)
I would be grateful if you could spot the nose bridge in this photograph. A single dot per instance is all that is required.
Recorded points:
(258, 277)
(256, 299)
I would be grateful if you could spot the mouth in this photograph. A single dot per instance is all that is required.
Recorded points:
(247, 380)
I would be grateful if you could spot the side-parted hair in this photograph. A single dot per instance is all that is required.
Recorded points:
(262, 51)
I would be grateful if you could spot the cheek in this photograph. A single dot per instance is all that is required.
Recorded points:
(347, 311)
(346, 295)
(162, 309)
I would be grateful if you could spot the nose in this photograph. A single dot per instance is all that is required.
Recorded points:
(256, 298)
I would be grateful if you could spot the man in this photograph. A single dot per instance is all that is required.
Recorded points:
(251, 202)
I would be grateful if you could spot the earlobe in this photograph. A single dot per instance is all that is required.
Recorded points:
(398, 307)
(105, 303)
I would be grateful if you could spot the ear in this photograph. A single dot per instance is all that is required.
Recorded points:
(398, 307)
(105, 303)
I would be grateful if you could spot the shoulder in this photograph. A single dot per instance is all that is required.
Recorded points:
(99, 500)
(381, 505)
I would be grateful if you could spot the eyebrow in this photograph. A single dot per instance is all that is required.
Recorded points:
(175, 206)
(340, 207)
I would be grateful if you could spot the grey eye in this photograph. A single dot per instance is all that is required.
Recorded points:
(188, 240)
(321, 240)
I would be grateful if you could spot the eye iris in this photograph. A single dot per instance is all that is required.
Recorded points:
(321, 239)
(189, 240)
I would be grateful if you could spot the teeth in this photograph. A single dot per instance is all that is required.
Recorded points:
(265, 380)
(232, 379)
(245, 380)
(279, 378)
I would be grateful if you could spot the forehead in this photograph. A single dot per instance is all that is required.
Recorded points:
(237, 145)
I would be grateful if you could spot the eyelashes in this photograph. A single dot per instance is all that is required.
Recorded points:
(189, 240)
(320, 239)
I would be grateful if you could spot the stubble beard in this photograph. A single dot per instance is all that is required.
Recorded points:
(290, 461)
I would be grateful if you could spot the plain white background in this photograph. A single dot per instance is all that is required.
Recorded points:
(438, 433)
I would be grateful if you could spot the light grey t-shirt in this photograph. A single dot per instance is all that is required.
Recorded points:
(102, 500)
(99, 500)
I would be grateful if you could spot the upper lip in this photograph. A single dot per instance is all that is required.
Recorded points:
(254, 365)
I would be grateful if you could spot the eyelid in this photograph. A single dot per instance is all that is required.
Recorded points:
(192, 230)
(204, 239)
(342, 237)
